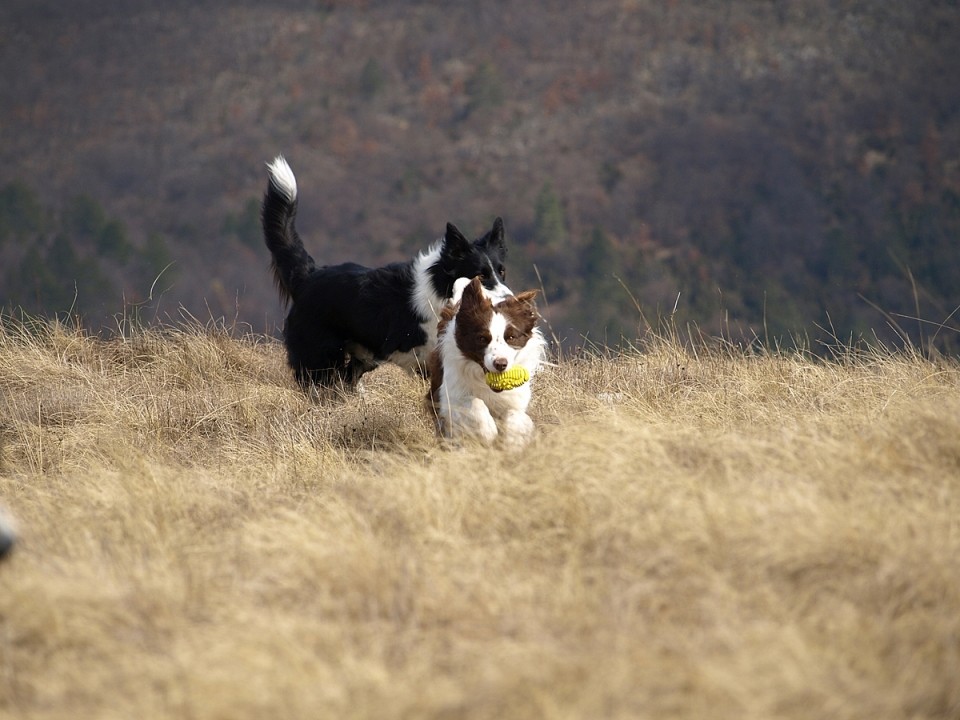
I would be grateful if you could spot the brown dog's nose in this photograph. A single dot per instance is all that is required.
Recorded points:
(500, 364)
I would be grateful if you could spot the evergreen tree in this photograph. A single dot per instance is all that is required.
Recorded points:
(603, 313)
(20, 212)
(84, 217)
(30, 283)
(157, 258)
(484, 88)
(245, 225)
(372, 79)
(56, 289)
(549, 222)
(112, 241)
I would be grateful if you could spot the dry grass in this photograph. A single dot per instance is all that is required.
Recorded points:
(696, 533)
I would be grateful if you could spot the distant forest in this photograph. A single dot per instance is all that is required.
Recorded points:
(767, 171)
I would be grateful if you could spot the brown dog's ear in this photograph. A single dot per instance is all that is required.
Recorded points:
(473, 293)
(527, 296)
(524, 303)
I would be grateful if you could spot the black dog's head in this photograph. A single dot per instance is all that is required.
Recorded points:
(483, 258)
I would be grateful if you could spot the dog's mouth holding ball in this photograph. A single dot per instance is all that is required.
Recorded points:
(508, 379)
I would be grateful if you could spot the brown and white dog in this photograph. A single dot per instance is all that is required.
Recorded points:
(477, 336)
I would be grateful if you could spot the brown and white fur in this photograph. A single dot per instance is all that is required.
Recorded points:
(476, 336)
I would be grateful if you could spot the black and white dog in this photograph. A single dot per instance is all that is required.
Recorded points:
(344, 320)
(8, 534)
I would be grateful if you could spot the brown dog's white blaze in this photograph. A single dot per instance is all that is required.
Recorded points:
(472, 329)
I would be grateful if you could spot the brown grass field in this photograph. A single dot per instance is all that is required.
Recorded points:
(697, 532)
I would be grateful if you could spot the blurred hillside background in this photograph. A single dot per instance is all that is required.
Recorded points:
(763, 167)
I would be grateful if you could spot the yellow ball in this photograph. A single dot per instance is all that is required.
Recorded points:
(508, 379)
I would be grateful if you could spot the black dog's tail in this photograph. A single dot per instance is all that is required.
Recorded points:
(291, 262)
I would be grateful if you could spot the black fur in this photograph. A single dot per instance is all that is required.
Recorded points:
(344, 320)
(7, 535)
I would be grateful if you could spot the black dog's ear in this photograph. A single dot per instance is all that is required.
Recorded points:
(454, 241)
(495, 238)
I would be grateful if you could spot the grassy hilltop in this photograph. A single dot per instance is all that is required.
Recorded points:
(697, 532)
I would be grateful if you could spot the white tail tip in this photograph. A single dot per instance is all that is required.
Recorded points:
(282, 178)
